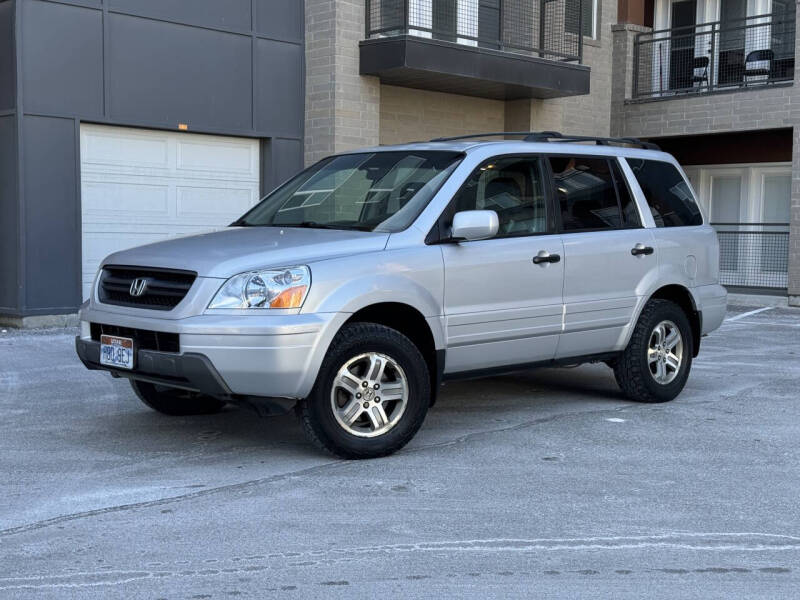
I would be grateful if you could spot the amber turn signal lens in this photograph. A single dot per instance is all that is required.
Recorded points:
(291, 298)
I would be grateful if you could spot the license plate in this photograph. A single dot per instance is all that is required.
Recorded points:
(116, 351)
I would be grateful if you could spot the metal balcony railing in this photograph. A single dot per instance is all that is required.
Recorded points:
(753, 255)
(708, 57)
(542, 28)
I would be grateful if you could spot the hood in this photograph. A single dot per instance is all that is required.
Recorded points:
(238, 249)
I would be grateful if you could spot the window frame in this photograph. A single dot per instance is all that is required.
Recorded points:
(439, 231)
(609, 159)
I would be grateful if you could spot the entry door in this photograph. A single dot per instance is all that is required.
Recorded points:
(732, 41)
(501, 307)
(683, 18)
(726, 211)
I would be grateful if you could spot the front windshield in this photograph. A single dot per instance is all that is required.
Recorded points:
(371, 191)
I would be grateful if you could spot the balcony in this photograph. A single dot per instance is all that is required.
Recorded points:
(501, 49)
(747, 53)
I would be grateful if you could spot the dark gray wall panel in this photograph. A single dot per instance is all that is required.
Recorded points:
(280, 19)
(166, 74)
(8, 90)
(228, 14)
(279, 84)
(62, 53)
(9, 213)
(287, 159)
(52, 214)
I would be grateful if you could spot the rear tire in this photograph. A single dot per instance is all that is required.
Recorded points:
(656, 364)
(174, 401)
(371, 395)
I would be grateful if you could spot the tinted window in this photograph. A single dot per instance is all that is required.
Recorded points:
(667, 193)
(513, 188)
(630, 214)
(586, 193)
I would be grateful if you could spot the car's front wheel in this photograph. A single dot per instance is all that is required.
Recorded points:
(174, 401)
(655, 365)
(371, 394)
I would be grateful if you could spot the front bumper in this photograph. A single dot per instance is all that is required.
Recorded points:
(192, 372)
(272, 356)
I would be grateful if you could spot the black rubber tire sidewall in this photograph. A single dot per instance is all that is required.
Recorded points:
(632, 370)
(174, 402)
(316, 413)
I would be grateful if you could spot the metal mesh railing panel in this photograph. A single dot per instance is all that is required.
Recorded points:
(543, 28)
(754, 255)
(750, 52)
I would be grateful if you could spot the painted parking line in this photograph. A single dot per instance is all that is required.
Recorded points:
(748, 314)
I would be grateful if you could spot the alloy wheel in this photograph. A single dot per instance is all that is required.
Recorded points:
(369, 394)
(665, 352)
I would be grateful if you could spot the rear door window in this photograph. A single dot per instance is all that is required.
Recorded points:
(668, 195)
(586, 193)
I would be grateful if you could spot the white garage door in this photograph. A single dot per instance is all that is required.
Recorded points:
(140, 186)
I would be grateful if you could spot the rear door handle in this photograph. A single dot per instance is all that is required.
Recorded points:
(545, 257)
(640, 249)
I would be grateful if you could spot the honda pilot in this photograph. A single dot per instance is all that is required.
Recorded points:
(354, 290)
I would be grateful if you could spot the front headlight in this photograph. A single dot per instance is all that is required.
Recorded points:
(268, 288)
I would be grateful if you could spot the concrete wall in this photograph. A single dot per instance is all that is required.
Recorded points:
(408, 115)
(232, 68)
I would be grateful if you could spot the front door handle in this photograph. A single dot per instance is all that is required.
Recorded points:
(545, 257)
(640, 249)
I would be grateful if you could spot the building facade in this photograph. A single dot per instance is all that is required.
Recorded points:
(128, 121)
(712, 81)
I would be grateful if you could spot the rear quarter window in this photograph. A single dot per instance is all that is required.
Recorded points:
(668, 195)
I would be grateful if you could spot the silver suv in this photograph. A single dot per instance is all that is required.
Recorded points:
(355, 289)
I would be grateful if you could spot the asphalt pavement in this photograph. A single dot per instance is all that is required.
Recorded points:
(546, 483)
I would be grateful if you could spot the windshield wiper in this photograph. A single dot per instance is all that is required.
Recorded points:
(315, 225)
(240, 223)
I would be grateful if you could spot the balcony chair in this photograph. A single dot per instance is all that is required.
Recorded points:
(700, 63)
(758, 56)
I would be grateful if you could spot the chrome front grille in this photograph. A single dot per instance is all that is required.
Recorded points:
(144, 287)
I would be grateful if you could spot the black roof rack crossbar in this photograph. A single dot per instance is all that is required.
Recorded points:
(547, 136)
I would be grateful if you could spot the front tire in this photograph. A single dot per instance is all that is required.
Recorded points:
(656, 364)
(371, 394)
(174, 401)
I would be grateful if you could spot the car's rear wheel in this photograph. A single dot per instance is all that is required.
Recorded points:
(175, 401)
(656, 364)
(371, 394)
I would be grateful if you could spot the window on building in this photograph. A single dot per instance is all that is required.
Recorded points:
(586, 193)
(514, 189)
(580, 14)
(777, 199)
(667, 193)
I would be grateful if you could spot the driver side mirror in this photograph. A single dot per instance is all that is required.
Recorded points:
(472, 225)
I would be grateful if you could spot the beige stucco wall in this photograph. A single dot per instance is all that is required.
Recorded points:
(408, 115)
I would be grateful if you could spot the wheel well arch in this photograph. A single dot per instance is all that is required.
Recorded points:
(411, 323)
(681, 296)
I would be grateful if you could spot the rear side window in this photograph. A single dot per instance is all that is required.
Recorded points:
(667, 193)
(586, 193)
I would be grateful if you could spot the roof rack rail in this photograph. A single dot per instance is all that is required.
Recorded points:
(547, 136)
